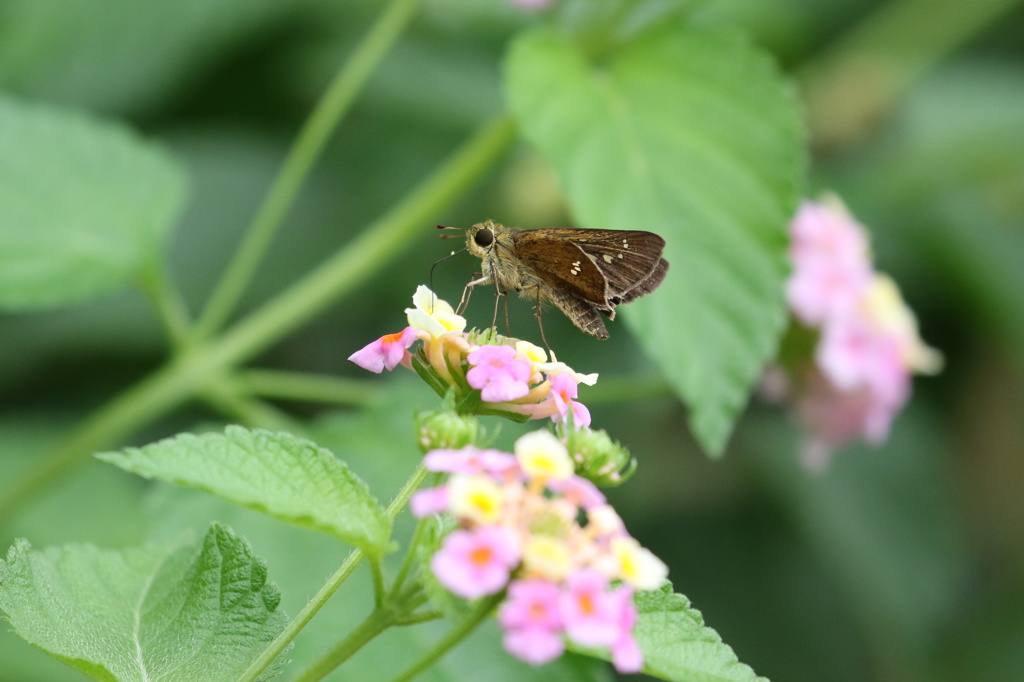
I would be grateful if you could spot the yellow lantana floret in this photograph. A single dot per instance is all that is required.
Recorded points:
(432, 314)
(637, 565)
(476, 498)
(542, 455)
(548, 557)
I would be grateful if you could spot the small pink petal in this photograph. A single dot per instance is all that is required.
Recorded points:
(577, 490)
(531, 603)
(429, 501)
(499, 373)
(627, 656)
(535, 646)
(384, 353)
(478, 562)
(591, 614)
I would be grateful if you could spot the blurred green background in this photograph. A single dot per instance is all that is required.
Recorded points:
(904, 562)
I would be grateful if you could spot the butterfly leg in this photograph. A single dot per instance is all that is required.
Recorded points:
(540, 325)
(467, 291)
(499, 294)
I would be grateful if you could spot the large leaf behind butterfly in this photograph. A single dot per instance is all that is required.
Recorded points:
(694, 135)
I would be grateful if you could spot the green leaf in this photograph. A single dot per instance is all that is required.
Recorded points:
(694, 135)
(201, 612)
(84, 205)
(276, 473)
(677, 645)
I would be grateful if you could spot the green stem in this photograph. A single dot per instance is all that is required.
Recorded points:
(410, 556)
(179, 380)
(411, 486)
(417, 618)
(454, 636)
(309, 387)
(304, 153)
(300, 621)
(167, 301)
(379, 620)
(228, 397)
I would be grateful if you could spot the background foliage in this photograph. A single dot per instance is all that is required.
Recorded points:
(900, 563)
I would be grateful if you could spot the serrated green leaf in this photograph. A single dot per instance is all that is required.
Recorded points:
(84, 205)
(694, 135)
(276, 473)
(202, 612)
(676, 644)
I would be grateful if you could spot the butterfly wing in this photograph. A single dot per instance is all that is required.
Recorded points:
(571, 279)
(630, 260)
(562, 264)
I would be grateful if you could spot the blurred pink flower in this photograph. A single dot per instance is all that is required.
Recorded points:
(831, 264)
(474, 563)
(569, 566)
(428, 501)
(470, 460)
(867, 340)
(532, 624)
(591, 613)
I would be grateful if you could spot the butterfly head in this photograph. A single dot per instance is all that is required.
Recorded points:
(481, 237)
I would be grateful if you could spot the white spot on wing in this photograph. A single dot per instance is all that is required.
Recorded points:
(609, 259)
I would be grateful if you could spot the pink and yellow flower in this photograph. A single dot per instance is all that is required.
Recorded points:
(569, 566)
(511, 377)
(868, 344)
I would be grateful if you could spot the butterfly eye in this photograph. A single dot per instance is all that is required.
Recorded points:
(483, 237)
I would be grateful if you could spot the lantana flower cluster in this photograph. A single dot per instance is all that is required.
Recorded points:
(867, 344)
(513, 377)
(520, 533)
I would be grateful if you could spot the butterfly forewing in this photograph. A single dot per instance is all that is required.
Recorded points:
(627, 258)
(562, 264)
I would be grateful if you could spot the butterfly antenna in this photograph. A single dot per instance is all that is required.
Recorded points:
(430, 279)
(450, 236)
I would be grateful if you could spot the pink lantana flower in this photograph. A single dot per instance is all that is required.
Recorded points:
(591, 612)
(386, 352)
(474, 563)
(569, 565)
(532, 623)
(831, 261)
(470, 460)
(579, 491)
(513, 377)
(867, 341)
(428, 501)
(499, 373)
(626, 654)
(564, 392)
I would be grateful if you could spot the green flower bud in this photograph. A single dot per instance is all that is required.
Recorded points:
(599, 458)
(445, 429)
